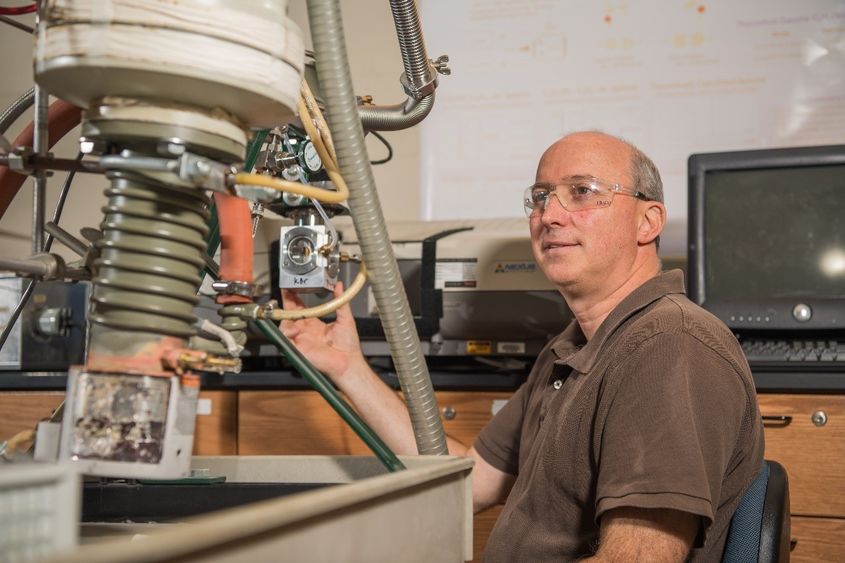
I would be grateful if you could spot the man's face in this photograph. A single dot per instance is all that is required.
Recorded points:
(581, 250)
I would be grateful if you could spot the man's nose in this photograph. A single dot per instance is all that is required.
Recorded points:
(554, 211)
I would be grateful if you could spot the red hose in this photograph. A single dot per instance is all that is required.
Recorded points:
(62, 117)
(18, 10)
(236, 243)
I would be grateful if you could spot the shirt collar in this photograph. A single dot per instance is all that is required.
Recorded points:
(571, 346)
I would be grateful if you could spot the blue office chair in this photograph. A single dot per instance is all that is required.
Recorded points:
(759, 529)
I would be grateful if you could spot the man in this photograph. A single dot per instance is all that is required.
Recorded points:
(638, 430)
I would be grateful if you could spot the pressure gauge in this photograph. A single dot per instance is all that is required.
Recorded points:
(309, 157)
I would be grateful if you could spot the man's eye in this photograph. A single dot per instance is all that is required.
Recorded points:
(539, 196)
(582, 191)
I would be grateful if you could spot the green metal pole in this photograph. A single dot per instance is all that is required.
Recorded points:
(325, 388)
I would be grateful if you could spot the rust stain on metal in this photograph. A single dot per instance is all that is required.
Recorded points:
(149, 360)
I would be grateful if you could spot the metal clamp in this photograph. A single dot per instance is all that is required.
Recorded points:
(196, 170)
(204, 173)
(422, 88)
(18, 160)
(244, 289)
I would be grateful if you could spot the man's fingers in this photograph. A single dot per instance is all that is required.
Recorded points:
(290, 300)
(344, 314)
(289, 328)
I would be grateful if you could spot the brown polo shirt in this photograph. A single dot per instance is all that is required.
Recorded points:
(657, 410)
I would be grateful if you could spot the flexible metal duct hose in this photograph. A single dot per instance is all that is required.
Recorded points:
(411, 43)
(396, 117)
(417, 69)
(150, 256)
(336, 84)
(14, 111)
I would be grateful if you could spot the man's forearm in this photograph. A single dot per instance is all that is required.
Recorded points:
(380, 407)
(383, 409)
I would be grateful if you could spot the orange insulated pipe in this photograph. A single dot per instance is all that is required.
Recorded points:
(236, 243)
(62, 117)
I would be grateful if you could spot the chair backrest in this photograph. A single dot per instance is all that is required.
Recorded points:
(759, 528)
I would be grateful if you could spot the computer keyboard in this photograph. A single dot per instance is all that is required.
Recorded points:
(783, 352)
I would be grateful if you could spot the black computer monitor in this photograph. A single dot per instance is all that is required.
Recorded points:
(766, 245)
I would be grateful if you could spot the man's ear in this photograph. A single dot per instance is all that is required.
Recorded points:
(652, 221)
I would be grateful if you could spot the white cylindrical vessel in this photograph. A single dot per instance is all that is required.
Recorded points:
(244, 57)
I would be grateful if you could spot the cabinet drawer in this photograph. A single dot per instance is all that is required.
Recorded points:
(818, 540)
(22, 410)
(465, 413)
(482, 526)
(216, 430)
(290, 423)
(301, 422)
(812, 453)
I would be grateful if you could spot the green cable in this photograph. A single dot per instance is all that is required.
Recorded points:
(319, 382)
(253, 148)
(213, 238)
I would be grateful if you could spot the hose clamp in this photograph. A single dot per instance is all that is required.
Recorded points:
(421, 88)
(244, 289)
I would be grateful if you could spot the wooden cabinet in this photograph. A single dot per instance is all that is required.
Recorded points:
(301, 422)
(464, 414)
(216, 425)
(806, 434)
(292, 423)
(818, 540)
(23, 410)
(216, 431)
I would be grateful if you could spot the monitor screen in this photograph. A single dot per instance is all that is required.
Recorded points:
(767, 237)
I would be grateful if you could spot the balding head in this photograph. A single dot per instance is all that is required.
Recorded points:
(587, 153)
(642, 174)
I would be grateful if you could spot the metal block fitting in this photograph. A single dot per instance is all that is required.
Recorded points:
(18, 160)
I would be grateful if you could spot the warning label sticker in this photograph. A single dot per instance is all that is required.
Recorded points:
(510, 347)
(479, 347)
(456, 272)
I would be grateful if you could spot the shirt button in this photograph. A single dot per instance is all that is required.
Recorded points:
(557, 384)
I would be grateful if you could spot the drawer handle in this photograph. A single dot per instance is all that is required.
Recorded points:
(776, 419)
(449, 413)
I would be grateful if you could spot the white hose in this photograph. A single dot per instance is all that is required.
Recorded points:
(224, 335)
(325, 308)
